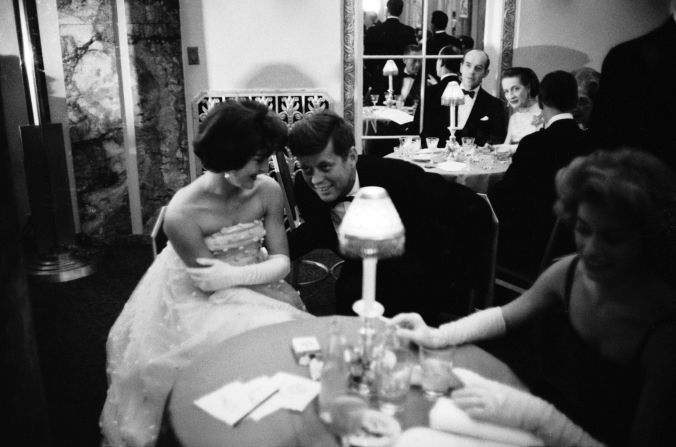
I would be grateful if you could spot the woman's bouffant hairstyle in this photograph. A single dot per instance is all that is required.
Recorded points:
(527, 77)
(631, 185)
(236, 131)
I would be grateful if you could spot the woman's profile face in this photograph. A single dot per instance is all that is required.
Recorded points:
(245, 177)
(516, 94)
(609, 248)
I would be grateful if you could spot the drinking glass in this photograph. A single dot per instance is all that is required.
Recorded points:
(414, 144)
(436, 365)
(467, 141)
(432, 142)
(393, 379)
(374, 100)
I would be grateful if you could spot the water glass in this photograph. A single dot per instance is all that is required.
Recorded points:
(436, 365)
(467, 141)
(393, 379)
(432, 142)
(414, 144)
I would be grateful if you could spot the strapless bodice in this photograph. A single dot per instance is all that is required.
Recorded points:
(238, 244)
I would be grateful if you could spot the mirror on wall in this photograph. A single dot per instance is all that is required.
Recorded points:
(399, 58)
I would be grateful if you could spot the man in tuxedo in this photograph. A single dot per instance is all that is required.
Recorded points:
(438, 40)
(482, 116)
(387, 38)
(524, 198)
(441, 220)
(636, 103)
(436, 116)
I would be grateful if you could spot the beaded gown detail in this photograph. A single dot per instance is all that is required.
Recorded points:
(167, 322)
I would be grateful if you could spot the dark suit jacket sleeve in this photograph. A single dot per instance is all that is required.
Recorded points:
(317, 230)
(498, 119)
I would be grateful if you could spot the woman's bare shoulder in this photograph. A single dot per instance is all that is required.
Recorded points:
(182, 207)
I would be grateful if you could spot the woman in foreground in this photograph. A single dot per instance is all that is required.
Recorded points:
(215, 279)
(616, 297)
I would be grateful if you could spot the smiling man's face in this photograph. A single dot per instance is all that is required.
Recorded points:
(328, 174)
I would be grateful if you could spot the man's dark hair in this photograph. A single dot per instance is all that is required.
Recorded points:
(466, 43)
(394, 7)
(439, 20)
(234, 132)
(311, 135)
(558, 89)
(451, 64)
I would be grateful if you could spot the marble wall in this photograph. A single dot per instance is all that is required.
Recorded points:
(93, 102)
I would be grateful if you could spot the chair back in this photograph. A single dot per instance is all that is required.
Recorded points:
(485, 299)
(157, 236)
(283, 177)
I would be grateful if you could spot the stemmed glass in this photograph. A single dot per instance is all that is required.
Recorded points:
(374, 100)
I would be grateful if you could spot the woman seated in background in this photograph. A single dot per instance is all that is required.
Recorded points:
(214, 279)
(520, 86)
(611, 311)
(588, 81)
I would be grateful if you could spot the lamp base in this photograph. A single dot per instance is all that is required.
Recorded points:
(364, 310)
(67, 264)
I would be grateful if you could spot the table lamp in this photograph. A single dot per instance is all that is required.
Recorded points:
(371, 230)
(390, 69)
(452, 97)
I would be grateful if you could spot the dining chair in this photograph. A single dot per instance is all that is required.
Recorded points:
(485, 301)
(518, 280)
(158, 237)
(282, 173)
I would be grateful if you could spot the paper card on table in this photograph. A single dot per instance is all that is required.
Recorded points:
(395, 115)
(451, 166)
(295, 392)
(234, 401)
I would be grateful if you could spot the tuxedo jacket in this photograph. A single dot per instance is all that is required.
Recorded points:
(523, 200)
(443, 222)
(387, 38)
(636, 102)
(487, 122)
(435, 43)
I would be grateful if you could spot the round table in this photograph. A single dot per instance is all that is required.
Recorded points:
(265, 351)
(476, 178)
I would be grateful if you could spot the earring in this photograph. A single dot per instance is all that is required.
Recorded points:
(226, 176)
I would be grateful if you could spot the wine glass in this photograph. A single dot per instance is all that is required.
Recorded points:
(374, 100)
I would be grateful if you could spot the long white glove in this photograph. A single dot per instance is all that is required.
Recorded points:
(480, 325)
(491, 401)
(221, 275)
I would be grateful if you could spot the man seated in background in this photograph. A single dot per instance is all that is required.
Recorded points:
(438, 40)
(441, 220)
(587, 87)
(524, 198)
(436, 116)
(482, 115)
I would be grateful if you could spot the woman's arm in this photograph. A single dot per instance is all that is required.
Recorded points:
(183, 232)
(655, 417)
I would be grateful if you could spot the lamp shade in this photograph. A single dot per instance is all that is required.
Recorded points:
(371, 226)
(452, 95)
(390, 68)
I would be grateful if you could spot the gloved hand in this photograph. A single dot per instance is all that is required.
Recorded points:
(221, 275)
(491, 401)
(484, 324)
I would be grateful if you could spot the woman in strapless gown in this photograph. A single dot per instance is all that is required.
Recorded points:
(220, 275)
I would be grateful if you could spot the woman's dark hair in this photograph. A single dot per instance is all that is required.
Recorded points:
(311, 135)
(527, 77)
(236, 131)
(634, 186)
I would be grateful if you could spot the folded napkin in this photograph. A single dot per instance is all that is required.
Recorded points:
(451, 166)
(395, 115)
(446, 416)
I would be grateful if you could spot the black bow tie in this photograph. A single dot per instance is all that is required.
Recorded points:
(470, 93)
(340, 200)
